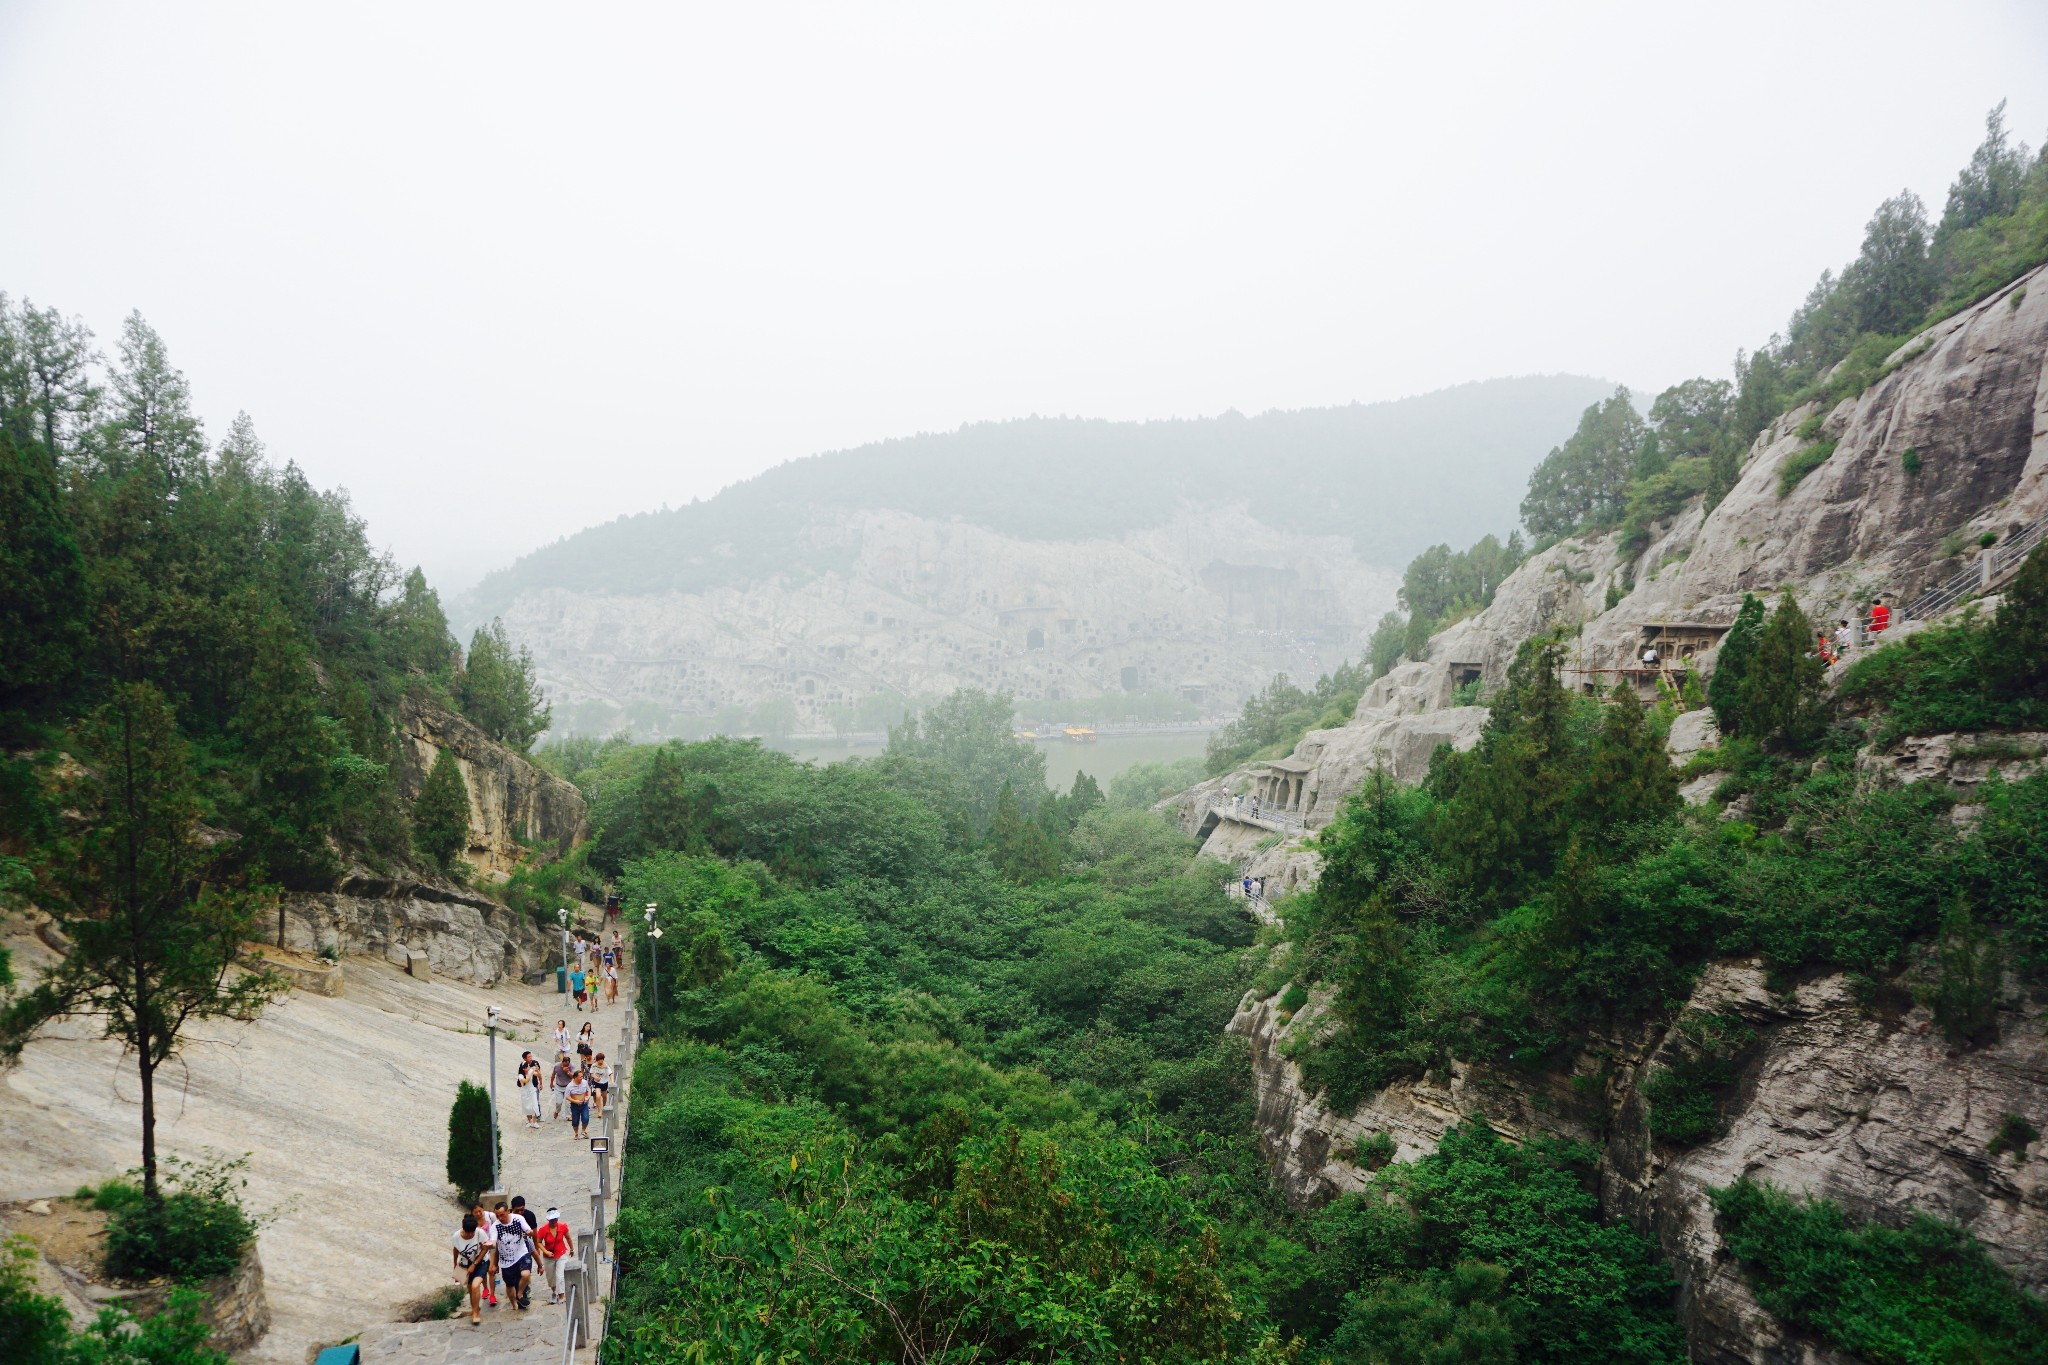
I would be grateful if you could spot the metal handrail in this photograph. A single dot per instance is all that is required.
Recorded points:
(569, 1333)
(1285, 819)
(1980, 577)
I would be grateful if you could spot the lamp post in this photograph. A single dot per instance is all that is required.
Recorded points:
(491, 1024)
(562, 916)
(654, 961)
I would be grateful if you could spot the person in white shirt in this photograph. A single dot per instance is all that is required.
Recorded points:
(473, 1251)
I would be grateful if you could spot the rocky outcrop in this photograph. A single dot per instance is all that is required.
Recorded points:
(465, 935)
(1866, 1105)
(513, 805)
(1863, 1104)
(1964, 762)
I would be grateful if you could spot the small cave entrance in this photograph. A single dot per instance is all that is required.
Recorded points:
(1034, 639)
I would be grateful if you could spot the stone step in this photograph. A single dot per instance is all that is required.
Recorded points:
(506, 1336)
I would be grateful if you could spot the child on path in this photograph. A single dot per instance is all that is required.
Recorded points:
(611, 983)
(472, 1252)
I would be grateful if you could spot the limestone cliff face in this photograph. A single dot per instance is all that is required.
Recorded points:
(512, 803)
(465, 934)
(1209, 606)
(1860, 1102)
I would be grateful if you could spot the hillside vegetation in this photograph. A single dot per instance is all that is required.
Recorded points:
(1371, 472)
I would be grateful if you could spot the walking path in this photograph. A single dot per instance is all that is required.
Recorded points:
(342, 1105)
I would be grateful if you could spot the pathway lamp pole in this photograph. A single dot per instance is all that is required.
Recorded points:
(562, 915)
(654, 961)
(491, 1023)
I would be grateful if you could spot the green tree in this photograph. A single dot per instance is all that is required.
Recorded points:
(499, 690)
(440, 817)
(471, 1136)
(419, 631)
(1728, 689)
(1891, 282)
(294, 791)
(42, 584)
(1628, 777)
(1016, 844)
(157, 933)
(2018, 667)
(47, 388)
(1584, 482)
(1784, 701)
(1387, 644)
(1689, 417)
(970, 735)
(1989, 186)
(151, 423)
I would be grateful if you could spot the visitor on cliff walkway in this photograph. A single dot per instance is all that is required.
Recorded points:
(555, 1244)
(601, 1083)
(473, 1264)
(561, 1036)
(577, 981)
(529, 1088)
(1880, 616)
(515, 1256)
(579, 1105)
(564, 1073)
(611, 980)
(485, 1223)
(1845, 637)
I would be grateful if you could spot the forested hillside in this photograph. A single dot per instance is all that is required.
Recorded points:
(940, 1074)
(1387, 475)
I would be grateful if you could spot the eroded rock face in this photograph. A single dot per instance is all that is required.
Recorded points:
(512, 803)
(465, 935)
(1868, 1107)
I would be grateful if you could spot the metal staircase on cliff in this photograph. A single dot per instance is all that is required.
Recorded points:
(1997, 563)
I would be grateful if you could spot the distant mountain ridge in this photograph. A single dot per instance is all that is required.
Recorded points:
(1393, 476)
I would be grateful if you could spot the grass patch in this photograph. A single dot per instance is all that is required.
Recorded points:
(1800, 463)
(2014, 1135)
(1373, 1151)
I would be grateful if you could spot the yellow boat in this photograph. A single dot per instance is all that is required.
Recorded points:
(1081, 734)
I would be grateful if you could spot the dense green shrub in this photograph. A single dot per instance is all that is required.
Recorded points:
(471, 1136)
(196, 1230)
(1922, 1294)
(37, 1329)
(1685, 1095)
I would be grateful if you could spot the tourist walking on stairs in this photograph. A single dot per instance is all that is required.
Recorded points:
(563, 1075)
(579, 1105)
(473, 1264)
(515, 1256)
(555, 1245)
(529, 1088)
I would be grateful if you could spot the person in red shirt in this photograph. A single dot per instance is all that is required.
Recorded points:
(555, 1245)
(1880, 616)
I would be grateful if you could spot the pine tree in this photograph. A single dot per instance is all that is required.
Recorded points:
(1783, 701)
(499, 690)
(440, 817)
(1628, 777)
(42, 584)
(419, 631)
(1016, 844)
(156, 928)
(1727, 689)
(152, 424)
(2018, 666)
(471, 1136)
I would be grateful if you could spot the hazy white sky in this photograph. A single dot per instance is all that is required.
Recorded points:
(505, 270)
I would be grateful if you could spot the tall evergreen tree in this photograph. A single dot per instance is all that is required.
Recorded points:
(1891, 282)
(1727, 690)
(1628, 777)
(500, 691)
(1990, 185)
(1783, 700)
(46, 377)
(156, 933)
(151, 422)
(1017, 844)
(1584, 482)
(419, 631)
(42, 585)
(2019, 664)
(440, 817)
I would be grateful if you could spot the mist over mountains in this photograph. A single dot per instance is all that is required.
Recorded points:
(1391, 477)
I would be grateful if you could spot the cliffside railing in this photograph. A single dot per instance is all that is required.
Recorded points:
(1996, 564)
(1265, 817)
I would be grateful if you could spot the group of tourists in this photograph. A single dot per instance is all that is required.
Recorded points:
(503, 1247)
(580, 1079)
(1877, 622)
(594, 974)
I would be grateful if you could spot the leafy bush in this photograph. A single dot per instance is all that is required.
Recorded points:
(1374, 1151)
(1911, 461)
(1915, 1295)
(37, 1329)
(2014, 1135)
(196, 1230)
(1294, 998)
(471, 1137)
(1802, 462)
(1684, 1095)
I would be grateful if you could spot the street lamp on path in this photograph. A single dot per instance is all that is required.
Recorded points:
(491, 1023)
(654, 961)
(562, 915)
